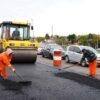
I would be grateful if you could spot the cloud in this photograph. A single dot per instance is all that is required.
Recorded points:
(67, 16)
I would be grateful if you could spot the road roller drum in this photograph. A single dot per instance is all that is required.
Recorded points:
(26, 56)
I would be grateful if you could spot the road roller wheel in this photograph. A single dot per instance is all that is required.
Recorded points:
(24, 56)
(34, 60)
(1, 49)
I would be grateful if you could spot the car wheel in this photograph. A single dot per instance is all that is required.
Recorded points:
(83, 63)
(51, 57)
(43, 55)
(67, 59)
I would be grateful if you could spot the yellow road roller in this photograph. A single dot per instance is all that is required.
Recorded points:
(16, 35)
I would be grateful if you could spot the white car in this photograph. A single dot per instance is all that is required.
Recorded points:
(74, 54)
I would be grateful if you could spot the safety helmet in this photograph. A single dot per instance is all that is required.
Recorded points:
(9, 51)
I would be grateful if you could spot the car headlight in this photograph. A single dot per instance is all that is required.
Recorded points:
(22, 44)
(32, 45)
(11, 44)
(98, 58)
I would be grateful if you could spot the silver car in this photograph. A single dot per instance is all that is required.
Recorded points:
(74, 54)
(41, 46)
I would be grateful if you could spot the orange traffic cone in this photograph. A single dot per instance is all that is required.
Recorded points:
(57, 58)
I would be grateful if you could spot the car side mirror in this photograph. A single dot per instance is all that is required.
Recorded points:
(79, 52)
(32, 28)
(48, 49)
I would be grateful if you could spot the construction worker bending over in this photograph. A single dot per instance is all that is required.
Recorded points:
(91, 58)
(5, 59)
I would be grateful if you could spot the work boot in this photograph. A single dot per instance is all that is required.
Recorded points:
(1, 75)
(3, 78)
(92, 76)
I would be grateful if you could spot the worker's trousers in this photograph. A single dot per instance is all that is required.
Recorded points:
(3, 72)
(92, 68)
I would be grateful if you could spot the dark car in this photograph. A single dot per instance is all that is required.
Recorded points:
(49, 49)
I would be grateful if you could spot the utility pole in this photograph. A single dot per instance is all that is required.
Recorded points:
(52, 30)
(97, 41)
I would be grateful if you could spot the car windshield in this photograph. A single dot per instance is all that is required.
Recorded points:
(98, 50)
(23, 31)
(16, 32)
(89, 48)
(56, 47)
(41, 45)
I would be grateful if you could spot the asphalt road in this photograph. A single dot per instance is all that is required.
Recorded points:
(48, 84)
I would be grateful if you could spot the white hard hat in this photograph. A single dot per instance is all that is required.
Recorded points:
(9, 51)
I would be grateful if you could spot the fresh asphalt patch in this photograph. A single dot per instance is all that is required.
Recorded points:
(81, 79)
(11, 85)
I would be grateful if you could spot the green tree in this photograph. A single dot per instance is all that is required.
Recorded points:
(72, 38)
(61, 40)
(82, 39)
(92, 40)
(47, 37)
(39, 39)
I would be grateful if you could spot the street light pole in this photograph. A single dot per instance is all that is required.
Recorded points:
(97, 41)
(52, 29)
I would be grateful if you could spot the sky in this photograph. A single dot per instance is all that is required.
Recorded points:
(57, 17)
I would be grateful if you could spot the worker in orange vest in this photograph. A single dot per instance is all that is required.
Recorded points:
(5, 59)
(91, 58)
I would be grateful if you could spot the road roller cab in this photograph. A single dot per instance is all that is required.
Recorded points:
(16, 35)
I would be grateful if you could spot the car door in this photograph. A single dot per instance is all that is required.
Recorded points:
(47, 50)
(44, 51)
(70, 53)
(77, 54)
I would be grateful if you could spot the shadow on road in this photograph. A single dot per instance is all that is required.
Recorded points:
(92, 82)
